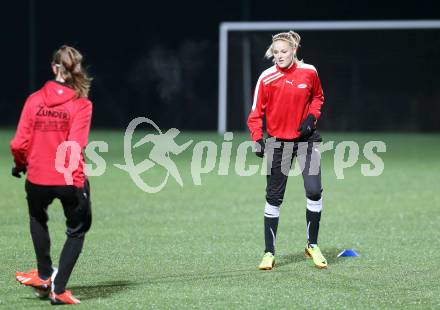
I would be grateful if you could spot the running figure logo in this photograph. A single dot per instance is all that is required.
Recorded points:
(163, 145)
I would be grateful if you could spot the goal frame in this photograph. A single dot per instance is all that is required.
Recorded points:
(226, 27)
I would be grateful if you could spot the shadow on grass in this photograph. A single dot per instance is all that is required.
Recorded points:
(288, 259)
(84, 292)
(329, 253)
(101, 289)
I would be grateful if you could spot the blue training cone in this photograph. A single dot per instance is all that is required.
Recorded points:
(348, 253)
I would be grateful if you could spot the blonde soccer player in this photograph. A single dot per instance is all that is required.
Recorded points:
(289, 96)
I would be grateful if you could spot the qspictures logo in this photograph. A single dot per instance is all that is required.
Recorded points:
(207, 155)
(163, 146)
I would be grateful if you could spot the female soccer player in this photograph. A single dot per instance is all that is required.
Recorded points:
(290, 96)
(57, 113)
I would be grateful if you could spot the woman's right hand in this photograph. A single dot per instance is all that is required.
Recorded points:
(17, 170)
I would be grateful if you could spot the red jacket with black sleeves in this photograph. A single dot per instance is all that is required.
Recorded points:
(286, 97)
(49, 117)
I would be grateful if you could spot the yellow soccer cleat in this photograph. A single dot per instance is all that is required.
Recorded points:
(318, 258)
(268, 262)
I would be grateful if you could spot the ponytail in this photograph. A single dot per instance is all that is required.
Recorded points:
(68, 62)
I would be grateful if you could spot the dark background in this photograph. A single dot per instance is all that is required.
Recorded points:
(160, 60)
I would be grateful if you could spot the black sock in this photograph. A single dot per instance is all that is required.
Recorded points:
(270, 233)
(312, 219)
(41, 240)
(71, 250)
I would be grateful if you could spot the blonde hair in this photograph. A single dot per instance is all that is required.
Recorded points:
(290, 37)
(68, 65)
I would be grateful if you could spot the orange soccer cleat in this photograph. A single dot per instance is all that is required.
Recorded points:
(32, 278)
(65, 298)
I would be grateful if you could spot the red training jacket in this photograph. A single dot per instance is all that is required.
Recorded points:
(286, 97)
(49, 117)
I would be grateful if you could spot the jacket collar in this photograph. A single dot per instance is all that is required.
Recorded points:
(290, 69)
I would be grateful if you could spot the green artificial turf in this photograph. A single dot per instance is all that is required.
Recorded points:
(199, 246)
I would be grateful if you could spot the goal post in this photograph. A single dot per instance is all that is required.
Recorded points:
(227, 27)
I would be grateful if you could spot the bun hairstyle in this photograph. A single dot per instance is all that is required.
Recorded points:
(290, 37)
(68, 62)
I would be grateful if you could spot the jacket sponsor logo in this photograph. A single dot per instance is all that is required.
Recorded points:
(303, 85)
(51, 125)
(289, 82)
(52, 113)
